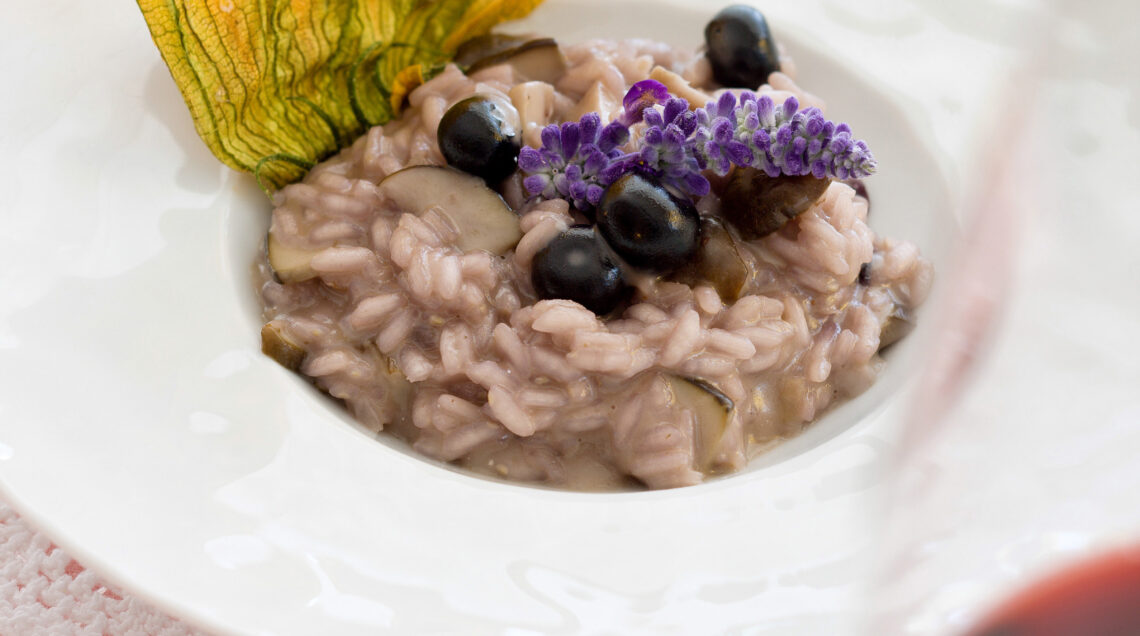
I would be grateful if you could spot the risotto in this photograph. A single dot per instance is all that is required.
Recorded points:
(428, 325)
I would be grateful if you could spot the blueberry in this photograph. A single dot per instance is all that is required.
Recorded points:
(647, 226)
(577, 266)
(740, 47)
(477, 135)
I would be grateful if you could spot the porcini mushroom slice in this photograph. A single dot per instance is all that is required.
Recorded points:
(712, 411)
(482, 219)
(757, 204)
(896, 327)
(596, 100)
(536, 60)
(718, 263)
(276, 344)
(290, 264)
(486, 46)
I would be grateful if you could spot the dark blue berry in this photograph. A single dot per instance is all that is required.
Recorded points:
(476, 136)
(577, 266)
(740, 47)
(647, 226)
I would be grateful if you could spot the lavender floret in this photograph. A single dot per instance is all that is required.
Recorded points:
(570, 160)
(779, 140)
(577, 160)
(641, 96)
(666, 154)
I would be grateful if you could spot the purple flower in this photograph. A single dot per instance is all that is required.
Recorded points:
(578, 160)
(779, 139)
(665, 155)
(571, 159)
(641, 96)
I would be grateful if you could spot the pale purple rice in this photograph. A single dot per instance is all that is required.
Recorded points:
(544, 391)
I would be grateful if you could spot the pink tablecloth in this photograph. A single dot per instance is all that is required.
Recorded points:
(44, 591)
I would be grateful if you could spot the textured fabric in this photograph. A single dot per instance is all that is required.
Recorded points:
(44, 591)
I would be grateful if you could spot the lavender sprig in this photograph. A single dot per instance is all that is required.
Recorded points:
(780, 140)
(577, 161)
(571, 158)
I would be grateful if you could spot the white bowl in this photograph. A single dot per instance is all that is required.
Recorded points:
(142, 428)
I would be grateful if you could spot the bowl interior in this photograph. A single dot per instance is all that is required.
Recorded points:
(911, 201)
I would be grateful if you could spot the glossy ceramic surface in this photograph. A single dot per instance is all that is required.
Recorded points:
(140, 425)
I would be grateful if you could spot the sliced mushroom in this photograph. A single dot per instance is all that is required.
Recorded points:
(290, 264)
(712, 411)
(486, 46)
(718, 262)
(757, 205)
(896, 327)
(482, 218)
(399, 393)
(276, 344)
(534, 60)
(596, 100)
(534, 102)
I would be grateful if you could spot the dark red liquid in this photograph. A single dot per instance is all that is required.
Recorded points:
(1100, 597)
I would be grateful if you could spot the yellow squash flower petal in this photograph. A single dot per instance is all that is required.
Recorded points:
(276, 85)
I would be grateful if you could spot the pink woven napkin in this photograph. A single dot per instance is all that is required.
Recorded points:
(45, 591)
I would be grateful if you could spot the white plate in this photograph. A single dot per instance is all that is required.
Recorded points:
(141, 427)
